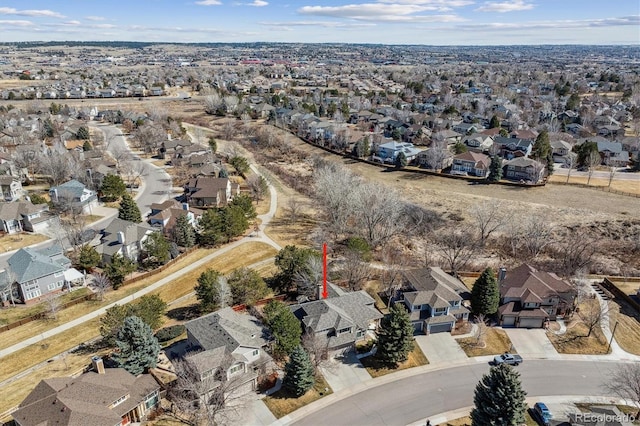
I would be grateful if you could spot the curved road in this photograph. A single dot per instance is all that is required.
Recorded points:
(418, 396)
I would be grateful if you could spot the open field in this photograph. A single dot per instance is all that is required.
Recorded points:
(628, 287)
(496, 342)
(630, 186)
(16, 83)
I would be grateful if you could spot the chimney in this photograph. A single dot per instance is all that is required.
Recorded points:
(168, 136)
(185, 206)
(120, 237)
(502, 272)
(98, 365)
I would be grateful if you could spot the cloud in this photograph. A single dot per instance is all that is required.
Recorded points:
(563, 24)
(258, 3)
(324, 24)
(95, 18)
(16, 23)
(209, 2)
(503, 7)
(30, 12)
(381, 12)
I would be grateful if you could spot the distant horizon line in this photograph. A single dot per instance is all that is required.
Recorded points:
(60, 42)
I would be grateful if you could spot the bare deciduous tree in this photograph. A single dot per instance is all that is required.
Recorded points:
(355, 271)
(456, 246)
(481, 330)
(591, 162)
(613, 168)
(570, 163)
(257, 186)
(293, 209)
(52, 302)
(391, 278)
(536, 234)
(591, 313)
(101, 284)
(317, 348)
(309, 279)
(488, 217)
(574, 251)
(624, 381)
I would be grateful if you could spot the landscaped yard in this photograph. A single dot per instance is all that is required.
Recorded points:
(496, 342)
(282, 403)
(17, 241)
(376, 369)
(574, 341)
(628, 329)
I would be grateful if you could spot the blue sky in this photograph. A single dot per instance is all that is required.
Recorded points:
(430, 22)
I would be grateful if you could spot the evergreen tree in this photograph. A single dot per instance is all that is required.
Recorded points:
(112, 188)
(210, 291)
(395, 336)
(244, 202)
(118, 269)
(138, 349)
(223, 173)
(241, 164)
(129, 210)
(460, 148)
(86, 146)
(155, 250)
(291, 262)
(485, 295)
(37, 199)
(298, 373)
(83, 133)
(494, 123)
(495, 169)
(542, 151)
(284, 326)
(213, 144)
(401, 160)
(88, 258)
(246, 286)
(149, 308)
(499, 399)
(183, 233)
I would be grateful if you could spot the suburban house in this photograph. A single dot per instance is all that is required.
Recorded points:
(434, 299)
(102, 397)
(388, 152)
(529, 298)
(123, 237)
(11, 188)
(341, 319)
(560, 148)
(75, 193)
(523, 169)
(478, 142)
(36, 273)
(471, 163)
(228, 340)
(509, 148)
(211, 191)
(23, 216)
(165, 215)
(612, 153)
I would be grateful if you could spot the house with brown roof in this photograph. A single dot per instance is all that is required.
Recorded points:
(434, 299)
(524, 169)
(211, 191)
(529, 297)
(165, 215)
(102, 397)
(471, 163)
(24, 216)
(11, 188)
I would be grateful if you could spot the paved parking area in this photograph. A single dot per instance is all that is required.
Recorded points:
(440, 348)
(344, 372)
(531, 343)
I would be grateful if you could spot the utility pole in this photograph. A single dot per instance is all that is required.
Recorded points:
(613, 333)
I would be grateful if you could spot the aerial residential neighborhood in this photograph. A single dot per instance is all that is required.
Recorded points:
(337, 224)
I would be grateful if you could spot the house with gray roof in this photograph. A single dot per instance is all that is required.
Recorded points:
(36, 273)
(341, 319)
(231, 341)
(75, 194)
(390, 150)
(11, 188)
(24, 216)
(102, 397)
(123, 237)
(524, 170)
(435, 300)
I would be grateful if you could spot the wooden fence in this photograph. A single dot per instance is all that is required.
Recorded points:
(608, 285)
(240, 308)
(598, 188)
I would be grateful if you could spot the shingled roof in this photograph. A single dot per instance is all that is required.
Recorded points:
(526, 282)
(29, 264)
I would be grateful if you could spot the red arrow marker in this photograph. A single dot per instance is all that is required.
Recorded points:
(324, 271)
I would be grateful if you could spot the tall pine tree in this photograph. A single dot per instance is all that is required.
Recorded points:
(129, 210)
(183, 233)
(138, 349)
(499, 399)
(542, 151)
(298, 372)
(211, 291)
(495, 169)
(395, 336)
(485, 295)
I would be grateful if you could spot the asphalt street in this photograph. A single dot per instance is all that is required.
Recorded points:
(419, 396)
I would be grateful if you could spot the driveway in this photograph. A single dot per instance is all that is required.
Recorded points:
(531, 343)
(440, 348)
(344, 372)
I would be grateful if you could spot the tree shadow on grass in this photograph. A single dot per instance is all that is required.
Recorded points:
(184, 313)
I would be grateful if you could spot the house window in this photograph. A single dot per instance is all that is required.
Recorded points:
(58, 274)
(455, 303)
(255, 352)
(344, 330)
(151, 400)
(360, 334)
(120, 400)
(440, 311)
(235, 368)
(59, 284)
(51, 287)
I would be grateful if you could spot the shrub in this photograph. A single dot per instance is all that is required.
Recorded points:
(169, 333)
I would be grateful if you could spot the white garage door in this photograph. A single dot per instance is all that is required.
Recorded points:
(508, 321)
(531, 322)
